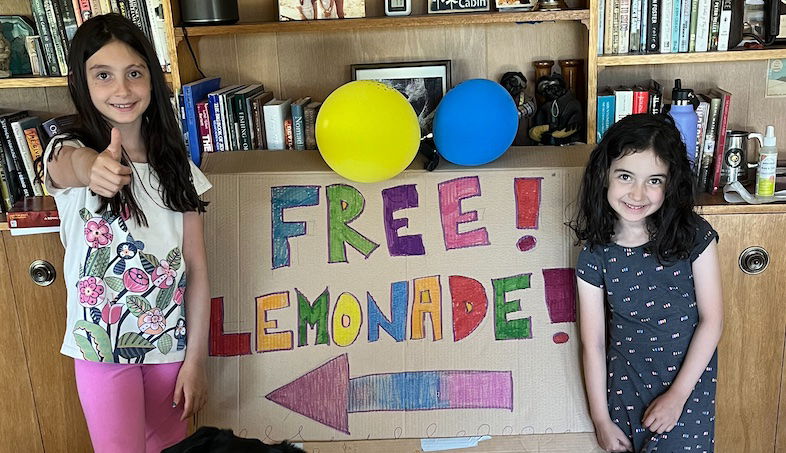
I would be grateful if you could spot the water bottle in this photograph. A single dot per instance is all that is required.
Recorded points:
(685, 117)
(768, 159)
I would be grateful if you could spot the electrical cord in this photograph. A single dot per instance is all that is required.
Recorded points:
(191, 50)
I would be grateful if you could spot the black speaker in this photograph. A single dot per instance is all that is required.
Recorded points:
(208, 12)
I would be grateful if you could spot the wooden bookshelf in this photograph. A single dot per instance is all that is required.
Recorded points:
(695, 57)
(431, 20)
(41, 82)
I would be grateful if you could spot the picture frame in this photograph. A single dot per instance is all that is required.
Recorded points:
(423, 83)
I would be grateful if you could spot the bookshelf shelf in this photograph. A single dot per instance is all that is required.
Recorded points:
(696, 57)
(40, 82)
(432, 20)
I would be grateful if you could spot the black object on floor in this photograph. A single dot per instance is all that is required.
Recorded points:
(208, 439)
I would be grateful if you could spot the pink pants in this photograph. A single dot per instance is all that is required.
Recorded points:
(128, 407)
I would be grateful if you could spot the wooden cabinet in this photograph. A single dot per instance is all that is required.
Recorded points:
(751, 350)
(40, 410)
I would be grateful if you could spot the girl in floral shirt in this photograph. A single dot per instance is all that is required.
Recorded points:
(131, 223)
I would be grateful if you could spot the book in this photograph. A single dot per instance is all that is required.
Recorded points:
(623, 103)
(641, 100)
(684, 25)
(276, 111)
(192, 93)
(16, 172)
(653, 28)
(714, 25)
(703, 26)
(289, 141)
(7, 202)
(655, 96)
(205, 134)
(724, 28)
(635, 26)
(47, 44)
(310, 113)
(608, 26)
(228, 118)
(36, 144)
(601, 24)
(33, 215)
(298, 127)
(242, 116)
(694, 18)
(55, 126)
(57, 29)
(25, 155)
(69, 19)
(257, 103)
(217, 123)
(606, 109)
(708, 150)
(702, 114)
(675, 25)
(667, 9)
(155, 14)
(624, 30)
(720, 147)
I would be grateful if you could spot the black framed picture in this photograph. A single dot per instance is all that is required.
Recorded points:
(423, 83)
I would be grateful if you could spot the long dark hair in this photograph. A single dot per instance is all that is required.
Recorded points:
(672, 227)
(166, 152)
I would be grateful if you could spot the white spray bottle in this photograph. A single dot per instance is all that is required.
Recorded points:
(768, 160)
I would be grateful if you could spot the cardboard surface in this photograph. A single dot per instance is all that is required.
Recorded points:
(431, 305)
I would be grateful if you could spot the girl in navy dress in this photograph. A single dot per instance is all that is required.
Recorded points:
(649, 287)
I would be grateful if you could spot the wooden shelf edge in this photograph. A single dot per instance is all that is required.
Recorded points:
(33, 82)
(4, 226)
(386, 22)
(715, 204)
(696, 57)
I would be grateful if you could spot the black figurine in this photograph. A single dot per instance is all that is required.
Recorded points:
(559, 119)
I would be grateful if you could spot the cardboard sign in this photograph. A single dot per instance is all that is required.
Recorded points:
(431, 305)
(458, 6)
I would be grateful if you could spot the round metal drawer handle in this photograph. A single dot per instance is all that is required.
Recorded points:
(754, 260)
(42, 273)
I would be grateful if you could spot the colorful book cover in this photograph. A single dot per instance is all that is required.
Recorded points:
(192, 93)
(298, 120)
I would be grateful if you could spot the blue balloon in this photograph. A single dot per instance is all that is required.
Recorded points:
(475, 122)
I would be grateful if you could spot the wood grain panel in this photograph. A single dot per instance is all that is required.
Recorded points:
(221, 60)
(465, 47)
(751, 349)
(18, 420)
(42, 314)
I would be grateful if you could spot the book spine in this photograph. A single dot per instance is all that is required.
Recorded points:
(675, 25)
(259, 123)
(77, 12)
(5, 192)
(290, 141)
(724, 29)
(159, 35)
(714, 25)
(635, 26)
(601, 25)
(624, 38)
(667, 9)
(705, 169)
(34, 143)
(720, 149)
(298, 131)
(215, 121)
(69, 19)
(694, 19)
(703, 26)
(608, 27)
(26, 158)
(702, 113)
(640, 101)
(48, 45)
(16, 167)
(309, 127)
(653, 35)
(229, 121)
(205, 135)
(274, 127)
(244, 135)
(56, 28)
(606, 111)
(615, 31)
(684, 25)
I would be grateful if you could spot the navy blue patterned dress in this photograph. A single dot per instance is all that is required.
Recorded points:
(653, 317)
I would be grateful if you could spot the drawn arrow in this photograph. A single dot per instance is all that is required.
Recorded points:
(327, 395)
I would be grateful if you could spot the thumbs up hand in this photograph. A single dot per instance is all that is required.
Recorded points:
(107, 174)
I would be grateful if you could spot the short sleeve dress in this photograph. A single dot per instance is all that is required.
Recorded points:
(653, 315)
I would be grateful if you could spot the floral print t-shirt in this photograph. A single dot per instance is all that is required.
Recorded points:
(125, 282)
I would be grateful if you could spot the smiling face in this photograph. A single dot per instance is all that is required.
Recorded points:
(637, 186)
(119, 83)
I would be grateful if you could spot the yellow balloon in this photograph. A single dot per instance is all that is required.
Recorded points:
(367, 131)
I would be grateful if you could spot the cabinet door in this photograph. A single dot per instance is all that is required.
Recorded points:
(18, 423)
(751, 349)
(42, 314)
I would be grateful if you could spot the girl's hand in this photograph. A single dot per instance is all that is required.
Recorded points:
(107, 174)
(611, 438)
(664, 412)
(191, 386)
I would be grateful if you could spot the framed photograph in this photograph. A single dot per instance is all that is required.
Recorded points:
(423, 83)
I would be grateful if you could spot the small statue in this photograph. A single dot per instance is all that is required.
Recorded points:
(516, 84)
(559, 119)
(5, 57)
